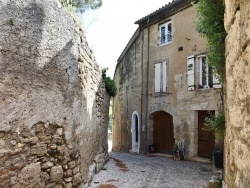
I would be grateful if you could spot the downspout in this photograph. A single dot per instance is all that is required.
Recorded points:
(147, 74)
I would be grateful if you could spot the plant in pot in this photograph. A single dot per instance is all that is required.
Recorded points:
(216, 124)
(176, 155)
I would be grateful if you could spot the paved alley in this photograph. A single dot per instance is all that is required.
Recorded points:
(127, 171)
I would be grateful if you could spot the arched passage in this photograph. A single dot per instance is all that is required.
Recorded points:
(135, 132)
(163, 132)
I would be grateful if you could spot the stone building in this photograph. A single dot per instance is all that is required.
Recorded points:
(237, 140)
(165, 87)
(53, 103)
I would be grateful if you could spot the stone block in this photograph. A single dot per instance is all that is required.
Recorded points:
(69, 179)
(72, 164)
(32, 140)
(39, 150)
(56, 174)
(68, 185)
(77, 179)
(59, 131)
(30, 176)
(47, 165)
(75, 170)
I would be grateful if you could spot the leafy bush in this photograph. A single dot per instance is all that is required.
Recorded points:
(210, 24)
(109, 83)
(216, 124)
(81, 5)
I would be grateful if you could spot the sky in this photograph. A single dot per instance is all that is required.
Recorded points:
(109, 28)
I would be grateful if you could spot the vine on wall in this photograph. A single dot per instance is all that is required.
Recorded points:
(109, 83)
(210, 24)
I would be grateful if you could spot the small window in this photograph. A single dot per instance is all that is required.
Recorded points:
(166, 33)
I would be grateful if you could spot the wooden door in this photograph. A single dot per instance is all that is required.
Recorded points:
(205, 138)
(163, 132)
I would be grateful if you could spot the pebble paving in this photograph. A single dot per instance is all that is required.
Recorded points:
(126, 170)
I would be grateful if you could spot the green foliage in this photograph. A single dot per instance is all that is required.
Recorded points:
(81, 5)
(109, 83)
(216, 124)
(210, 24)
(11, 21)
(175, 148)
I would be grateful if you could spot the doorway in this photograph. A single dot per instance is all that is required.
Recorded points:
(206, 140)
(163, 132)
(135, 133)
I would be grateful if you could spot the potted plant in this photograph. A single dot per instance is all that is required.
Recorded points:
(216, 124)
(176, 155)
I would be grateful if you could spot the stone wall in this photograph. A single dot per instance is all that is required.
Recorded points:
(53, 103)
(128, 99)
(237, 144)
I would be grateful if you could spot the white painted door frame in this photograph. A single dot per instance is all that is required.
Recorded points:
(135, 144)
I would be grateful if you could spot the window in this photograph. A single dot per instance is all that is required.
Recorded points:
(166, 33)
(206, 74)
(161, 77)
(204, 78)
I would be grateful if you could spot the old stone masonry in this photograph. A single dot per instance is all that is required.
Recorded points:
(53, 103)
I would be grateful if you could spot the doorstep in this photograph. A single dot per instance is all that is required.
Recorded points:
(202, 160)
(160, 155)
(133, 152)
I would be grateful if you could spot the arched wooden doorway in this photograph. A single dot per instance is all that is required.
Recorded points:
(163, 132)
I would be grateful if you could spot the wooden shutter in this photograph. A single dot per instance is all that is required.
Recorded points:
(190, 72)
(164, 77)
(216, 81)
(158, 77)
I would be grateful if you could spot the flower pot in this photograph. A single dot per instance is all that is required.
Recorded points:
(218, 159)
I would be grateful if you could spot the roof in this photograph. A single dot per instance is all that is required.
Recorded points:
(169, 9)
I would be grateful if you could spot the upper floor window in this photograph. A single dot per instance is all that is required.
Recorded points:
(166, 33)
(161, 78)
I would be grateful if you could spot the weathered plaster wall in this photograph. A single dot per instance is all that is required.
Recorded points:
(128, 98)
(53, 103)
(237, 144)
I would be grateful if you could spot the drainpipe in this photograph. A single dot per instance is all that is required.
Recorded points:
(146, 128)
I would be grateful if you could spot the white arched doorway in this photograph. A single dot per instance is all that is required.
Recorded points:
(135, 133)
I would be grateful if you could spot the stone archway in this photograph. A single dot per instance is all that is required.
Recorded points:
(135, 133)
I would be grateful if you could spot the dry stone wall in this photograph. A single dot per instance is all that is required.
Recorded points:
(53, 103)
(237, 144)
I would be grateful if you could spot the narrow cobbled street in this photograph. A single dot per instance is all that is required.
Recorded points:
(127, 170)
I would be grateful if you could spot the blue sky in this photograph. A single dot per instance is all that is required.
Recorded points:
(109, 28)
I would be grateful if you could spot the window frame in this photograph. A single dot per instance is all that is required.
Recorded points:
(208, 73)
(199, 72)
(166, 41)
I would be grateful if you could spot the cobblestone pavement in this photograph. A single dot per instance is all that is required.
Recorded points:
(127, 171)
